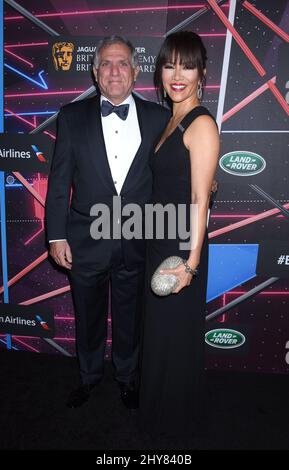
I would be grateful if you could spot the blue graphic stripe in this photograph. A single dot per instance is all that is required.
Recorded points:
(35, 113)
(41, 84)
(13, 347)
(3, 236)
(1, 67)
(4, 245)
(230, 265)
(2, 182)
(14, 185)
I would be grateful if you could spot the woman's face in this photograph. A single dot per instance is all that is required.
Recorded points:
(180, 83)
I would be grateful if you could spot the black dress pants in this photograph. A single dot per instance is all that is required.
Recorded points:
(90, 290)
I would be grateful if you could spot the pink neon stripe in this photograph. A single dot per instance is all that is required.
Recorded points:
(75, 92)
(230, 216)
(266, 20)
(29, 187)
(34, 236)
(45, 254)
(222, 319)
(21, 336)
(224, 316)
(254, 61)
(259, 293)
(64, 339)
(31, 44)
(27, 44)
(48, 295)
(237, 216)
(247, 100)
(115, 10)
(26, 270)
(56, 339)
(29, 123)
(19, 117)
(242, 223)
(269, 84)
(145, 88)
(152, 88)
(213, 35)
(49, 133)
(48, 93)
(19, 58)
(72, 339)
(72, 318)
(278, 96)
(25, 344)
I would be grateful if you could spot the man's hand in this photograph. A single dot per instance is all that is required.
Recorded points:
(61, 253)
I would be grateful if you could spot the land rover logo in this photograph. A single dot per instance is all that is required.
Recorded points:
(242, 163)
(224, 338)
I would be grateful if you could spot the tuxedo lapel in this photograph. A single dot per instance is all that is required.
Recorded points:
(96, 143)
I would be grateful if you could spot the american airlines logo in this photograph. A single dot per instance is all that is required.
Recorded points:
(43, 323)
(39, 154)
(26, 321)
(25, 152)
(12, 153)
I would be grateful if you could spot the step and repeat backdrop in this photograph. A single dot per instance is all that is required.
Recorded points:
(46, 57)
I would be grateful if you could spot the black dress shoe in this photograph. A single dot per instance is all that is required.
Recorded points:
(129, 397)
(79, 396)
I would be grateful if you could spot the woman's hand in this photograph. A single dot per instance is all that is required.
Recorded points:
(184, 279)
(215, 186)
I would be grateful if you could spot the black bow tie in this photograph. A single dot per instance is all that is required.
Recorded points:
(108, 108)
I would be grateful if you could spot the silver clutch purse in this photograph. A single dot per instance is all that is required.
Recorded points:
(165, 284)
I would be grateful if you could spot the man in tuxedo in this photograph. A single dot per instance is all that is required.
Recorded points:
(102, 150)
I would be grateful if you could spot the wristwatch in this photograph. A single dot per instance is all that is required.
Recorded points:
(193, 272)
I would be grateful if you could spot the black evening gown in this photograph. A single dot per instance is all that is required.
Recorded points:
(172, 360)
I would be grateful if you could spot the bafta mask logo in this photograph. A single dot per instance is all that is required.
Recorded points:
(62, 55)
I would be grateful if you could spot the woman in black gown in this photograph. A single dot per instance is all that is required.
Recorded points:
(184, 164)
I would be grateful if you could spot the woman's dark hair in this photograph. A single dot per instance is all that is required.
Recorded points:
(184, 46)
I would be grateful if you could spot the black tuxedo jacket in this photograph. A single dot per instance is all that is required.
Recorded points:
(80, 163)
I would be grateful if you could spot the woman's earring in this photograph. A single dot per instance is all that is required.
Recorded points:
(199, 91)
(165, 94)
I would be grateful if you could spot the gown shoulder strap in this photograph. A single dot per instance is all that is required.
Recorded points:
(192, 115)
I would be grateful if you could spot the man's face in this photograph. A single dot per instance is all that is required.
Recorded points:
(115, 75)
(64, 58)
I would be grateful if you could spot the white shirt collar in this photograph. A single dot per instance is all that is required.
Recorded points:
(128, 100)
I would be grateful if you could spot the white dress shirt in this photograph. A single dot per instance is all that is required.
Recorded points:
(122, 140)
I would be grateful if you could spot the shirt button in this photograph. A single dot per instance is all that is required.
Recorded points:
(115, 182)
(115, 156)
(116, 132)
